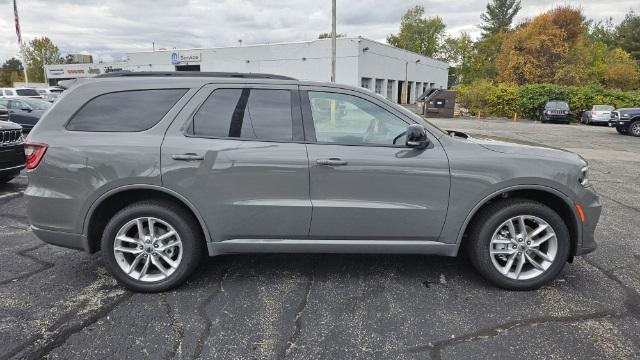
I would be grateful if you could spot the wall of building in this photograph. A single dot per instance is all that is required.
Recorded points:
(309, 60)
(388, 64)
(359, 62)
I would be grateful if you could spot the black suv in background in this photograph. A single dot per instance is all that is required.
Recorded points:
(626, 121)
(556, 111)
(12, 157)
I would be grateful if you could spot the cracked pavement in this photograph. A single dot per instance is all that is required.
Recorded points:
(61, 304)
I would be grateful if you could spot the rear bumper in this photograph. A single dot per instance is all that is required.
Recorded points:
(63, 239)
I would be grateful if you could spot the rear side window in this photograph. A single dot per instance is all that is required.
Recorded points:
(262, 114)
(125, 111)
(27, 92)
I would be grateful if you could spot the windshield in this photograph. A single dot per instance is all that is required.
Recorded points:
(557, 105)
(37, 104)
(602, 108)
(27, 92)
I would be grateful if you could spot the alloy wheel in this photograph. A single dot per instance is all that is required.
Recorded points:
(148, 249)
(635, 128)
(523, 247)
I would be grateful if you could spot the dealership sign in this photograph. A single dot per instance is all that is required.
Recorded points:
(69, 71)
(185, 57)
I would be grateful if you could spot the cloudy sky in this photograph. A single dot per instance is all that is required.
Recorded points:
(108, 28)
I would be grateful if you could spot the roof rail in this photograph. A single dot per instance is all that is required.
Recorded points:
(194, 74)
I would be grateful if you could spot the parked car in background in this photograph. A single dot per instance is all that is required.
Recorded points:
(626, 121)
(556, 111)
(20, 92)
(599, 114)
(4, 113)
(157, 170)
(50, 94)
(24, 111)
(12, 156)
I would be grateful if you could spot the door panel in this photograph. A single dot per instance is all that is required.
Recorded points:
(371, 188)
(381, 192)
(243, 188)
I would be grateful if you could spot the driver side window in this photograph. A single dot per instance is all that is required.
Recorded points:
(350, 120)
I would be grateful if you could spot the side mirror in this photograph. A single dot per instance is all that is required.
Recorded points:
(417, 137)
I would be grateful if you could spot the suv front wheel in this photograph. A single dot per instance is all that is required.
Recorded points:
(519, 244)
(151, 246)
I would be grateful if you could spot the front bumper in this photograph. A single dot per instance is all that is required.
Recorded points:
(558, 118)
(619, 124)
(12, 159)
(592, 208)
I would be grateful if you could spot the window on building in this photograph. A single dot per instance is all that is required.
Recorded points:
(365, 83)
(379, 86)
(350, 120)
(390, 84)
(245, 113)
(135, 110)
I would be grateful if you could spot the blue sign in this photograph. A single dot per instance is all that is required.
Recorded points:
(175, 59)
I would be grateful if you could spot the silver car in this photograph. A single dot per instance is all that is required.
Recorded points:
(599, 114)
(158, 170)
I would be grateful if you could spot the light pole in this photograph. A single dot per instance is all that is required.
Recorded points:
(333, 40)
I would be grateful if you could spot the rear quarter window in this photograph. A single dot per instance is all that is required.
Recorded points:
(125, 111)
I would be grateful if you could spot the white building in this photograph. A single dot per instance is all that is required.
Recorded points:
(359, 62)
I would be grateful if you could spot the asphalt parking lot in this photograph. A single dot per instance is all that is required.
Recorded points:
(61, 304)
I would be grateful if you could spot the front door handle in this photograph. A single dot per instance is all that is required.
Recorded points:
(331, 162)
(187, 157)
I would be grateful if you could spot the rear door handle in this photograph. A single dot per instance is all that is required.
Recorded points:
(331, 162)
(187, 157)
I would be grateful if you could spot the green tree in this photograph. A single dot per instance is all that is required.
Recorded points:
(628, 34)
(602, 32)
(39, 52)
(499, 16)
(459, 53)
(10, 67)
(420, 34)
(483, 63)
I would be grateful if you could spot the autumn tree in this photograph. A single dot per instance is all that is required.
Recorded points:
(420, 34)
(621, 71)
(39, 52)
(499, 16)
(542, 50)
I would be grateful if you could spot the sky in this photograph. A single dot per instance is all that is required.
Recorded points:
(109, 28)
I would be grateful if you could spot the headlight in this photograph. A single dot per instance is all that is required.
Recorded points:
(547, 112)
(583, 178)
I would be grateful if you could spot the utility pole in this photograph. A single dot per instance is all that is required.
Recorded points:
(333, 40)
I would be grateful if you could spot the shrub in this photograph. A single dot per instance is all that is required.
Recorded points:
(528, 100)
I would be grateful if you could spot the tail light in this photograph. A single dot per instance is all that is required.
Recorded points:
(34, 154)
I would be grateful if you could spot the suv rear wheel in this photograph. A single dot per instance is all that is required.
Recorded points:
(152, 246)
(519, 244)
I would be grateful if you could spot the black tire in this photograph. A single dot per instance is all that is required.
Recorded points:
(483, 226)
(621, 131)
(634, 128)
(193, 245)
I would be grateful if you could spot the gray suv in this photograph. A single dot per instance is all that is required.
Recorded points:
(159, 169)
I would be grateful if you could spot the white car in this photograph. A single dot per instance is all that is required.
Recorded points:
(599, 114)
(20, 92)
(50, 94)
